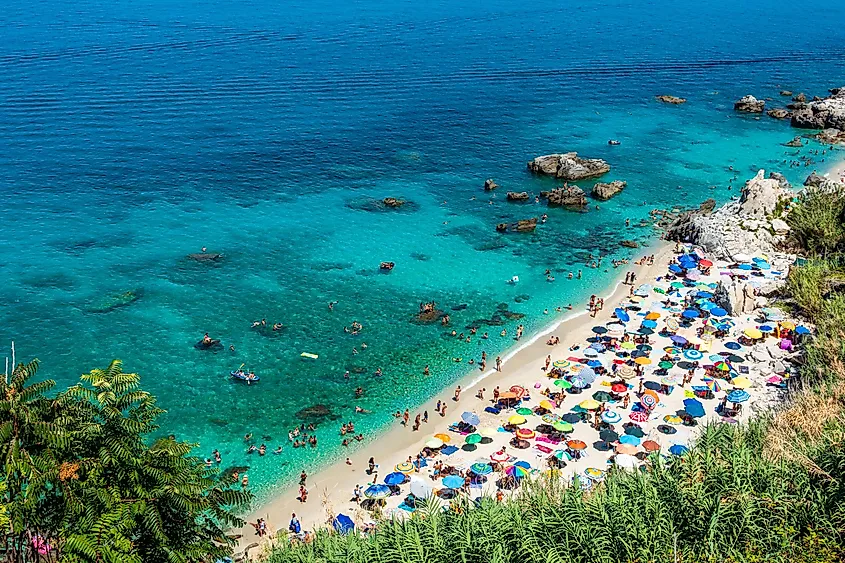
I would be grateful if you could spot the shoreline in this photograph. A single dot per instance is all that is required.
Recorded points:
(330, 489)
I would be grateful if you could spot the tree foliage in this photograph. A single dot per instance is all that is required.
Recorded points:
(85, 482)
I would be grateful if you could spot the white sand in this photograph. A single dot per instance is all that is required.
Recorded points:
(330, 491)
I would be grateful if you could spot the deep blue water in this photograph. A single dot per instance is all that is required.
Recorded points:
(135, 133)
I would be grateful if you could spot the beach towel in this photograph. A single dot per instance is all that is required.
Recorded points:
(492, 410)
(542, 448)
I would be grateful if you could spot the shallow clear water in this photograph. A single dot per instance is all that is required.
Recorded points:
(133, 134)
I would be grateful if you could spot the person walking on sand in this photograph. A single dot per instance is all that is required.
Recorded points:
(498, 363)
(406, 416)
(417, 422)
(496, 393)
(425, 416)
(443, 412)
(519, 330)
(548, 362)
(457, 393)
(437, 407)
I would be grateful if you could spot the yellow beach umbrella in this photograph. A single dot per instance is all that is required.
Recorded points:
(589, 404)
(445, 438)
(516, 419)
(741, 382)
(652, 316)
(642, 360)
(788, 325)
(405, 467)
(488, 432)
(547, 405)
(628, 345)
(753, 333)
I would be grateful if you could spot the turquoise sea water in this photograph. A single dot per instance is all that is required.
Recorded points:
(135, 133)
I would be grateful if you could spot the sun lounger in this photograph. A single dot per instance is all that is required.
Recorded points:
(492, 410)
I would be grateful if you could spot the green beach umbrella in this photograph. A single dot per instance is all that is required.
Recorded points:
(473, 439)
(524, 411)
(665, 365)
(602, 396)
(677, 285)
(563, 384)
(562, 426)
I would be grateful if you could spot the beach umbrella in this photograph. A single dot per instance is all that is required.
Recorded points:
(523, 463)
(473, 439)
(718, 312)
(628, 345)
(591, 353)
(589, 404)
(649, 398)
(626, 449)
(643, 290)
(745, 267)
(619, 388)
(693, 275)
(675, 269)
(516, 419)
(471, 418)
(715, 357)
(678, 449)
(448, 450)
(594, 473)
(704, 295)
(550, 417)
(693, 355)
(753, 333)
(694, 407)
(621, 315)
(628, 439)
(765, 329)
(561, 364)
(576, 445)
(524, 411)
(434, 443)
(481, 468)
(679, 340)
(599, 329)
(666, 429)
(650, 446)
(562, 426)
(546, 404)
(645, 331)
(525, 433)
(626, 461)
(517, 471)
(445, 438)
(672, 419)
(343, 524)
(722, 366)
(602, 396)
(594, 364)
(377, 491)
(626, 372)
(669, 380)
(404, 467)
(690, 314)
(488, 432)
(563, 384)
(802, 330)
(652, 316)
(642, 360)
(611, 417)
(665, 365)
(499, 457)
(704, 263)
(677, 284)
(420, 488)
(712, 384)
(453, 482)
(562, 455)
(578, 382)
(672, 324)
(741, 382)
(587, 374)
(738, 396)
(639, 416)
(650, 324)
(395, 478)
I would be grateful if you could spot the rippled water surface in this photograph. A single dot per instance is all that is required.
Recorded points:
(135, 133)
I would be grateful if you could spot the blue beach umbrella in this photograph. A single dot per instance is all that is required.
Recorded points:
(481, 468)
(588, 375)
(675, 269)
(453, 482)
(678, 449)
(733, 345)
(679, 340)
(704, 295)
(649, 324)
(611, 417)
(622, 315)
(694, 407)
(394, 478)
(706, 305)
(766, 328)
(745, 267)
(591, 352)
(628, 439)
(802, 330)
(693, 355)
(599, 329)
(448, 450)
(377, 491)
(343, 524)
(718, 312)
(471, 418)
(690, 314)
(523, 464)
(594, 364)
(738, 396)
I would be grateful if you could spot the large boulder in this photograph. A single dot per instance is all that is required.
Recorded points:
(795, 142)
(569, 196)
(490, 185)
(666, 99)
(760, 196)
(779, 113)
(749, 104)
(830, 136)
(568, 166)
(518, 196)
(823, 113)
(608, 190)
(393, 202)
(735, 296)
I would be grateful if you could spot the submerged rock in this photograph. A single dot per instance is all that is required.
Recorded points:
(749, 104)
(518, 196)
(490, 185)
(315, 413)
(387, 204)
(795, 142)
(571, 196)
(608, 190)
(629, 243)
(671, 99)
(568, 166)
(785, 93)
(117, 300)
(205, 256)
(830, 136)
(393, 202)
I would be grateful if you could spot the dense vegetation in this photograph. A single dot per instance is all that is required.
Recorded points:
(772, 490)
(83, 481)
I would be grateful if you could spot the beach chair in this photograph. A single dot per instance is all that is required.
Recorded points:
(493, 410)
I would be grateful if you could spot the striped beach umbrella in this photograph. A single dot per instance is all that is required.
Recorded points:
(377, 491)
(738, 396)
(481, 468)
(611, 417)
(649, 398)
(405, 467)
(594, 473)
(639, 416)
(516, 471)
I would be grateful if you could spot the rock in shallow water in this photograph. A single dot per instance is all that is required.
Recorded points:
(749, 104)
(608, 190)
(571, 196)
(671, 99)
(568, 166)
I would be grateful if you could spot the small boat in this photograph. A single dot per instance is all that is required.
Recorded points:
(386, 266)
(241, 375)
(613, 142)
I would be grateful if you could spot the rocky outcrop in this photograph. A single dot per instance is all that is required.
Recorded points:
(749, 104)
(393, 202)
(779, 227)
(568, 166)
(521, 226)
(739, 227)
(801, 97)
(827, 113)
(830, 136)
(735, 296)
(671, 99)
(608, 190)
(490, 185)
(629, 243)
(779, 113)
(821, 183)
(518, 196)
(570, 196)
(795, 142)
